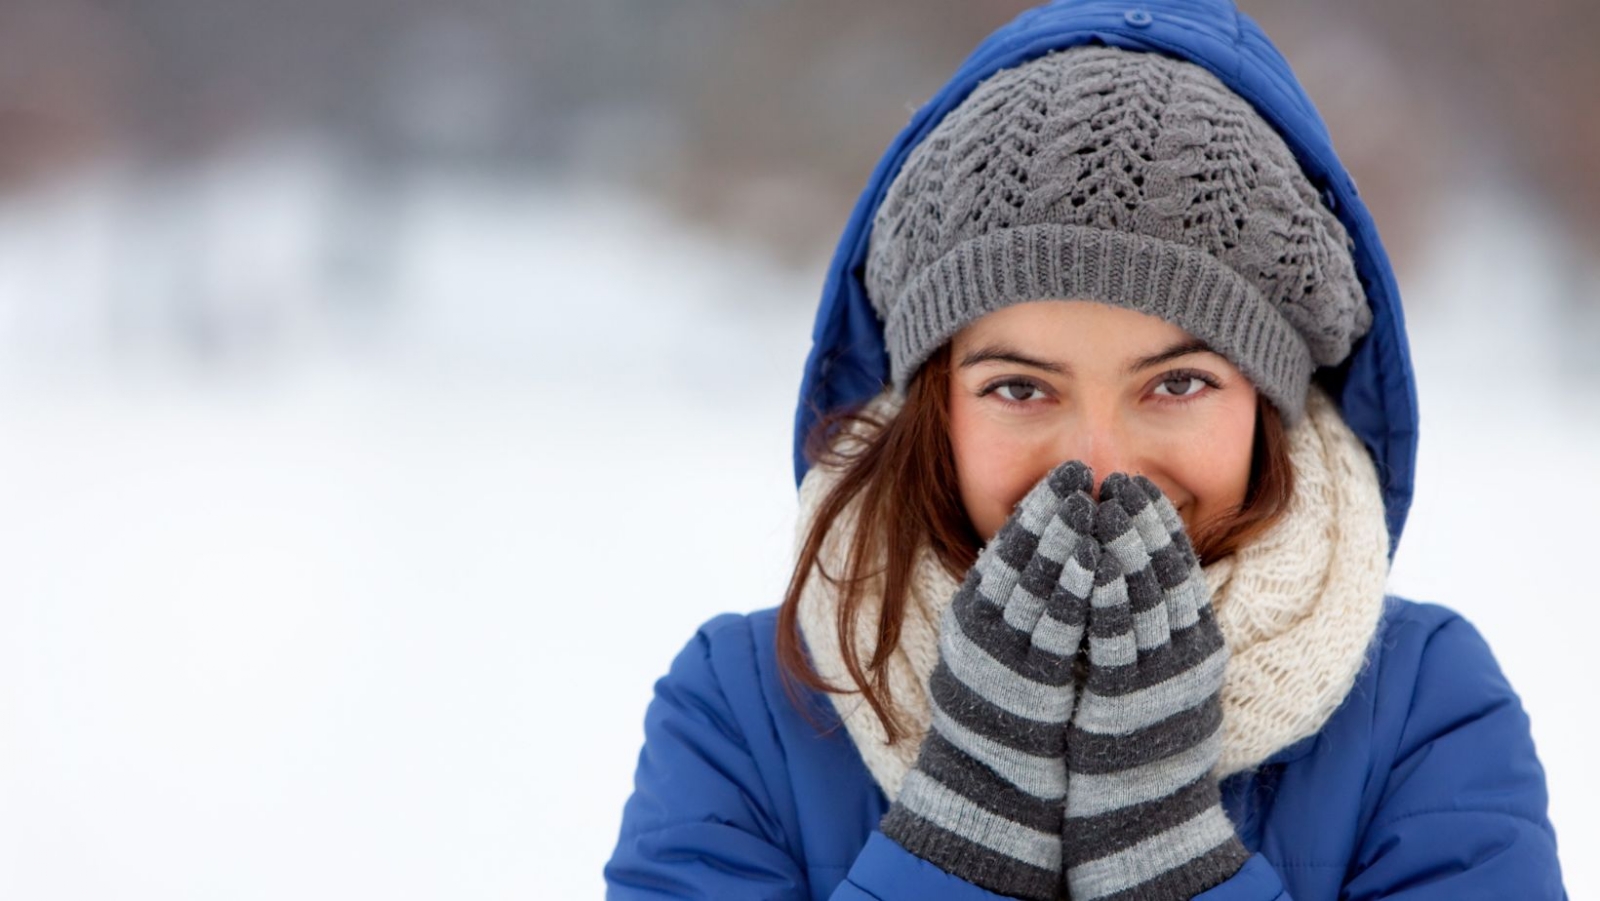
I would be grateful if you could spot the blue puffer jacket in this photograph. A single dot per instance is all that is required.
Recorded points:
(1423, 785)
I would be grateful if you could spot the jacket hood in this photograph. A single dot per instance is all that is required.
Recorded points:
(1374, 388)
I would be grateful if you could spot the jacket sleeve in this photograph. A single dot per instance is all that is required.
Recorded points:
(1461, 802)
(702, 822)
(1462, 812)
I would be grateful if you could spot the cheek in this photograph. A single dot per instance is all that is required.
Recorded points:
(994, 469)
(1216, 471)
(1224, 476)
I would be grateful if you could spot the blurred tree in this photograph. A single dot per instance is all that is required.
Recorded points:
(763, 116)
(1521, 80)
(67, 71)
(785, 119)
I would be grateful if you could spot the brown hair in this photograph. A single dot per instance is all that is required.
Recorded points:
(902, 475)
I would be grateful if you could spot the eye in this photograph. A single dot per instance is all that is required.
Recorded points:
(1180, 386)
(1018, 392)
(1184, 386)
(1014, 392)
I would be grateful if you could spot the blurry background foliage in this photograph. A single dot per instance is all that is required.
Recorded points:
(759, 117)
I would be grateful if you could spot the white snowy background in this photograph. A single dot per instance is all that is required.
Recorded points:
(350, 605)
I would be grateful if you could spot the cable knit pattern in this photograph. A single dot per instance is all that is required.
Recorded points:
(1298, 607)
(1128, 178)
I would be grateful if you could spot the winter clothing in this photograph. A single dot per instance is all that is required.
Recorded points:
(985, 799)
(1144, 818)
(1369, 747)
(1127, 178)
(1421, 783)
(1374, 387)
(1298, 607)
(1423, 786)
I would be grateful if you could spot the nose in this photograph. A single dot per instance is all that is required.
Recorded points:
(1099, 439)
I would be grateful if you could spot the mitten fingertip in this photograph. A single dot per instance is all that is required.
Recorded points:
(1148, 488)
(1071, 477)
(1110, 520)
(1078, 513)
(1163, 504)
(1132, 497)
(1114, 484)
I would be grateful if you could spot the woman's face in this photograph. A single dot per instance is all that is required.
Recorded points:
(1036, 384)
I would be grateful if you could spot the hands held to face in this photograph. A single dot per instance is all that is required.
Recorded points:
(1076, 711)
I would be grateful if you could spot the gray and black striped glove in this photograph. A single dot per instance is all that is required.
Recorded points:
(985, 799)
(1144, 817)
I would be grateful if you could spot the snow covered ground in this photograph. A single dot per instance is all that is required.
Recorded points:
(369, 603)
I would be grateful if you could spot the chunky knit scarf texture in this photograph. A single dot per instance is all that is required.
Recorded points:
(1298, 608)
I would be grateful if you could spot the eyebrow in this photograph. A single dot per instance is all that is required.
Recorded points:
(1004, 353)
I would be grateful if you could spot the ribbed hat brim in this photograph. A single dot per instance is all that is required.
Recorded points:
(1176, 282)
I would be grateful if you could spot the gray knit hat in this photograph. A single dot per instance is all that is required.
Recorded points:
(1128, 178)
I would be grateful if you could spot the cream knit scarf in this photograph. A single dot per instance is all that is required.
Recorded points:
(1298, 608)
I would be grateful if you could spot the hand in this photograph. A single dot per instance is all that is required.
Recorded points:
(1144, 817)
(985, 799)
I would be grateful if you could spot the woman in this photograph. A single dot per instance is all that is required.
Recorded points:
(1089, 600)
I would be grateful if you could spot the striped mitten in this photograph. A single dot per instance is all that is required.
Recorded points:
(1144, 817)
(984, 801)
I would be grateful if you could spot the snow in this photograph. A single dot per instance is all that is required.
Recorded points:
(312, 595)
